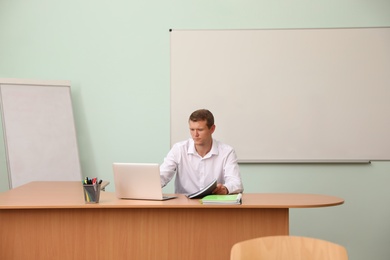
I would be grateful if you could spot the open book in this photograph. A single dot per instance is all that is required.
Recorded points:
(203, 192)
(222, 199)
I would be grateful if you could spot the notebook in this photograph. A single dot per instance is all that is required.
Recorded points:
(138, 181)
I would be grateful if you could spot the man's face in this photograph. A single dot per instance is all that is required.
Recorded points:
(200, 133)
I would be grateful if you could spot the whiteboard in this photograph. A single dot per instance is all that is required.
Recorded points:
(39, 131)
(286, 95)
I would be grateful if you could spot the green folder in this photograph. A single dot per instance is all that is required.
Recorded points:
(222, 199)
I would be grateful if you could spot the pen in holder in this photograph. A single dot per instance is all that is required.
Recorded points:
(91, 192)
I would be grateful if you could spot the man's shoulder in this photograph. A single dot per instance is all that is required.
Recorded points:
(182, 144)
(223, 146)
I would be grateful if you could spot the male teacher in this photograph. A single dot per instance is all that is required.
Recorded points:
(201, 159)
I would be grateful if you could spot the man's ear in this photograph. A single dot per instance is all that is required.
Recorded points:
(212, 129)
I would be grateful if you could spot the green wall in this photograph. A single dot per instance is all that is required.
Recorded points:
(116, 54)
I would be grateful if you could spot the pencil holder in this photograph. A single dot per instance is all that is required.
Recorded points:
(91, 193)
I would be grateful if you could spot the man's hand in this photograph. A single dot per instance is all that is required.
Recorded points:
(220, 190)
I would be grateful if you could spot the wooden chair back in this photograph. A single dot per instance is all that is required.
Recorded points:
(287, 248)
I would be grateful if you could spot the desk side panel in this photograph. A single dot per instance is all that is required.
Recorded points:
(133, 233)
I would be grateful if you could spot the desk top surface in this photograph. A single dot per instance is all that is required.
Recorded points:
(65, 194)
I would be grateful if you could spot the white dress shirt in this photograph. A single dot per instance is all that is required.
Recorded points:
(194, 172)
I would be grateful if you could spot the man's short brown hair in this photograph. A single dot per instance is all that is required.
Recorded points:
(203, 115)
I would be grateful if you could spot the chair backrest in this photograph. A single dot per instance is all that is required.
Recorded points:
(287, 247)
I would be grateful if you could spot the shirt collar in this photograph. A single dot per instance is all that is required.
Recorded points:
(213, 151)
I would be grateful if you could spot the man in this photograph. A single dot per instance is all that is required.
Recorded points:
(201, 159)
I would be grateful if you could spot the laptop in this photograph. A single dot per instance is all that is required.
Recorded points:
(139, 181)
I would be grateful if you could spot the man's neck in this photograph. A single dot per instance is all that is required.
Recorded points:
(202, 150)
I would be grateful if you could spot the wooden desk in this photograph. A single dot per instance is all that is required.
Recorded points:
(49, 220)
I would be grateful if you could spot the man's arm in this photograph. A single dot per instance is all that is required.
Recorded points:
(232, 174)
(168, 168)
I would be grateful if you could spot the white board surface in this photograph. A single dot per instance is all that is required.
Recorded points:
(286, 95)
(39, 131)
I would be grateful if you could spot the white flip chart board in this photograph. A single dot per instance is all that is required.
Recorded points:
(286, 95)
(39, 131)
